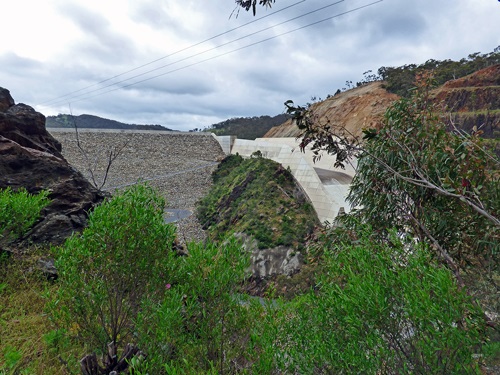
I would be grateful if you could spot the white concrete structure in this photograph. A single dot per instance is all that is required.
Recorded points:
(225, 141)
(326, 186)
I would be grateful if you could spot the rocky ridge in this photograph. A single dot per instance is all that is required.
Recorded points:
(467, 102)
(31, 158)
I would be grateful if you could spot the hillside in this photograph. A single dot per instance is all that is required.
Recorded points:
(400, 80)
(247, 127)
(356, 109)
(95, 122)
(473, 100)
(258, 197)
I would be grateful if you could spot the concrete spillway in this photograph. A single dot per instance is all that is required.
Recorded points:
(327, 187)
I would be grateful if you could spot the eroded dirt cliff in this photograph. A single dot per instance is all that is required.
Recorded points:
(472, 101)
(356, 109)
(468, 102)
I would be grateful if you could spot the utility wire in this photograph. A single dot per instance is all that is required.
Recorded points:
(173, 53)
(234, 50)
(200, 53)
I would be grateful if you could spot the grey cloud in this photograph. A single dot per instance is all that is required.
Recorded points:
(89, 22)
(100, 41)
(254, 81)
(14, 64)
(153, 14)
(185, 84)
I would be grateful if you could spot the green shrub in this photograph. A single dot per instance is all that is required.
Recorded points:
(252, 196)
(18, 212)
(202, 325)
(378, 308)
(122, 258)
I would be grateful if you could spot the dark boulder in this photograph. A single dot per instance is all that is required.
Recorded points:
(31, 158)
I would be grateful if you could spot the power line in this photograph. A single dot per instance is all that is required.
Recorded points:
(229, 52)
(199, 53)
(174, 53)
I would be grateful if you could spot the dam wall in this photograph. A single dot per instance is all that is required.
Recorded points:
(327, 187)
(178, 165)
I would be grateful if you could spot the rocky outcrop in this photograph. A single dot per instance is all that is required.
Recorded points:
(472, 101)
(467, 102)
(31, 158)
(265, 263)
(356, 109)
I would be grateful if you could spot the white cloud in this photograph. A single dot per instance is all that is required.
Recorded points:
(57, 47)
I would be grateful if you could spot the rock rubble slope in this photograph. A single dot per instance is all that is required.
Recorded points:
(179, 165)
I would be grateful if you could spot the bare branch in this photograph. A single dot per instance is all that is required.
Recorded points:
(91, 167)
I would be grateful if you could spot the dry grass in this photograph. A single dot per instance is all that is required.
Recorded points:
(27, 344)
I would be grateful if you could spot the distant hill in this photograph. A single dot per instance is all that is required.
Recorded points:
(468, 102)
(247, 127)
(355, 109)
(400, 80)
(95, 122)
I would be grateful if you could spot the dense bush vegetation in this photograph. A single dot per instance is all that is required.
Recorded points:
(259, 197)
(441, 187)
(202, 325)
(121, 281)
(379, 308)
(18, 212)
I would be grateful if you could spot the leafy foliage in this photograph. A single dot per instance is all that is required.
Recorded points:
(400, 80)
(379, 308)
(19, 210)
(327, 136)
(258, 197)
(202, 324)
(121, 259)
(415, 174)
(435, 186)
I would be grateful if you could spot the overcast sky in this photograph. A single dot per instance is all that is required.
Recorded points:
(196, 70)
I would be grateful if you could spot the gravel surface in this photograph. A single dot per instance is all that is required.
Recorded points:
(179, 165)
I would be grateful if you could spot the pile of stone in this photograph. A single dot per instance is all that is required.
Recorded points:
(179, 165)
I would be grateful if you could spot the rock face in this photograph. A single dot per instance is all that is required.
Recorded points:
(356, 109)
(472, 101)
(468, 102)
(266, 263)
(31, 158)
